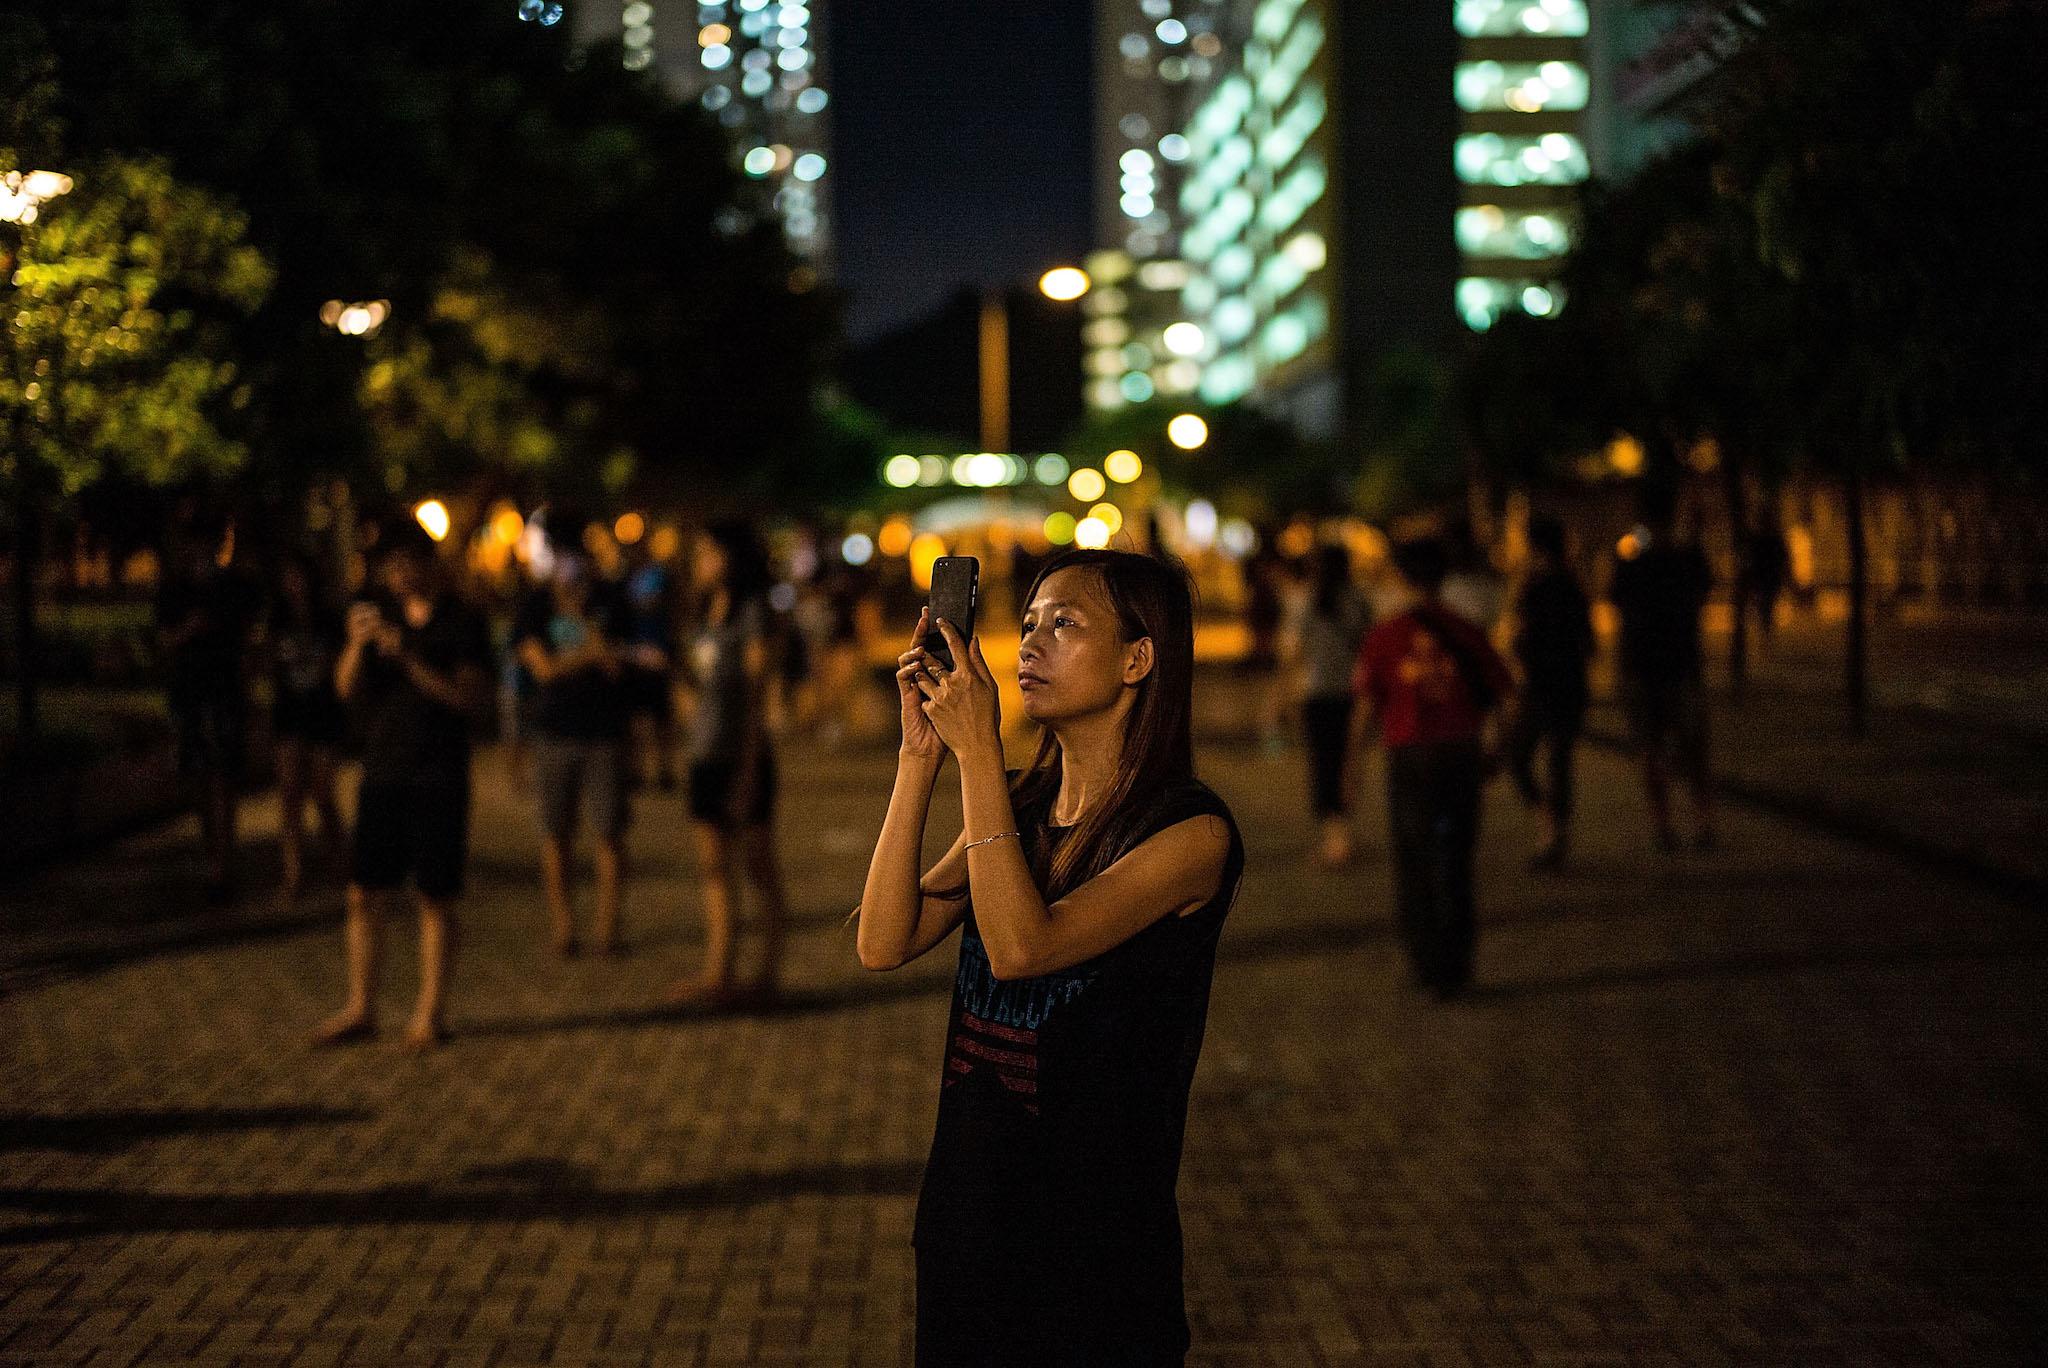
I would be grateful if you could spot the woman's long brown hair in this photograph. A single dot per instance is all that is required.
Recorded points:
(1152, 597)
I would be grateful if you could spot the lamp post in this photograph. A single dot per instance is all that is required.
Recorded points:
(22, 196)
(1063, 285)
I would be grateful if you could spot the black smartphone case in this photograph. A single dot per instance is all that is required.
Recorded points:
(956, 586)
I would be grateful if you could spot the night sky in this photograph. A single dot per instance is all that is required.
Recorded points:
(962, 148)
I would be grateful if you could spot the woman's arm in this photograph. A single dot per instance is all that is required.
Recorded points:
(898, 917)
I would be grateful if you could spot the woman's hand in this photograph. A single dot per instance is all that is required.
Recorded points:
(920, 738)
(962, 704)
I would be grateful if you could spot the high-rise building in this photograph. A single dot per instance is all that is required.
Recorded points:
(1317, 205)
(1348, 183)
(760, 69)
(1152, 58)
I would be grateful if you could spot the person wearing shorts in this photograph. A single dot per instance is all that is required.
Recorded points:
(570, 637)
(415, 667)
(732, 765)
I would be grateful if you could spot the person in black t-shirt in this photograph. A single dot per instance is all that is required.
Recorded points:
(415, 669)
(1089, 889)
(571, 637)
(1659, 587)
(1553, 641)
(306, 720)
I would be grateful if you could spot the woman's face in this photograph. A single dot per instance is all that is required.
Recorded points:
(1071, 661)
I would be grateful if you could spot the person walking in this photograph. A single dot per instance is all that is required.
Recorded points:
(1089, 889)
(1322, 644)
(571, 638)
(1659, 587)
(651, 601)
(416, 670)
(1432, 684)
(732, 778)
(1553, 641)
(307, 724)
(206, 613)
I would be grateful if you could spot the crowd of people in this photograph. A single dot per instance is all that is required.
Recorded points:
(402, 672)
(1459, 680)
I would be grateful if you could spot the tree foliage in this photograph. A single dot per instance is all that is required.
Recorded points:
(118, 316)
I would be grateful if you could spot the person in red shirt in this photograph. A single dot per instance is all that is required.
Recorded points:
(1432, 683)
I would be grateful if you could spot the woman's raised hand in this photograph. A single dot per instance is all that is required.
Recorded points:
(962, 704)
(920, 738)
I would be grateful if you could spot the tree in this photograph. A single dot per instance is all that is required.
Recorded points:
(116, 359)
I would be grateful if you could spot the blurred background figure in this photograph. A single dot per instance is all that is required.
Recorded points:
(415, 669)
(1658, 587)
(206, 612)
(1472, 588)
(571, 637)
(732, 779)
(650, 692)
(1765, 563)
(1432, 683)
(1267, 584)
(1552, 643)
(1321, 647)
(306, 720)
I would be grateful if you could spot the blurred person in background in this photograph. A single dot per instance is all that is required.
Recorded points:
(1320, 647)
(1472, 587)
(571, 637)
(207, 611)
(651, 604)
(1552, 643)
(415, 671)
(1659, 586)
(1432, 684)
(307, 724)
(729, 669)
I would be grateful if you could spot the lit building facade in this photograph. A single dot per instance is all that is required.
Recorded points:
(760, 69)
(1153, 58)
(1524, 91)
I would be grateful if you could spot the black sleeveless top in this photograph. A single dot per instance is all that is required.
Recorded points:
(1047, 1230)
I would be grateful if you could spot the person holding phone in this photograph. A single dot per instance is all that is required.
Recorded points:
(1090, 889)
(415, 668)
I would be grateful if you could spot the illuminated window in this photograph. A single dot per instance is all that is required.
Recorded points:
(1487, 230)
(1522, 87)
(1482, 300)
(1521, 18)
(1491, 159)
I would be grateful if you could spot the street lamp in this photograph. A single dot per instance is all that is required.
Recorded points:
(355, 320)
(1064, 284)
(1188, 431)
(22, 194)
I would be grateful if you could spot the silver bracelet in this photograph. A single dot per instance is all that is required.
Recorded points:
(986, 839)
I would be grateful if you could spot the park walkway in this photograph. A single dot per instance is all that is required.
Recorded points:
(1775, 1104)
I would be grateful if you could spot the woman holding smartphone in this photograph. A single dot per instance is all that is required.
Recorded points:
(1090, 889)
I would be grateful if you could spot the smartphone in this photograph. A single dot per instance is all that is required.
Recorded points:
(956, 587)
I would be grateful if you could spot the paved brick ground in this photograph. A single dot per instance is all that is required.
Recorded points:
(1780, 1104)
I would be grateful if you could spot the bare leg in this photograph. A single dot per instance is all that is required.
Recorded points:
(320, 787)
(555, 854)
(764, 871)
(438, 934)
(362, 933)
(611, 893)
(715, 869)
(291, 822)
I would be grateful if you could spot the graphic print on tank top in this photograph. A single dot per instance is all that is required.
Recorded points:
(998, 1022)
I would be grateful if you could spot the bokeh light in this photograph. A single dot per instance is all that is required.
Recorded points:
(1059, 529)
(924, 553)
(1087, 484)
(1123, 466)
(1091, 534)
(1187, 431)
(1109, 515)
(630, 528)
(432, 515)
(1064, 283)
(894, 538)
(857, 549)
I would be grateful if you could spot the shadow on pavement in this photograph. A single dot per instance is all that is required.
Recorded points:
(86, 959)
(524, 1191)
(1750, 966)
(96, 1132)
